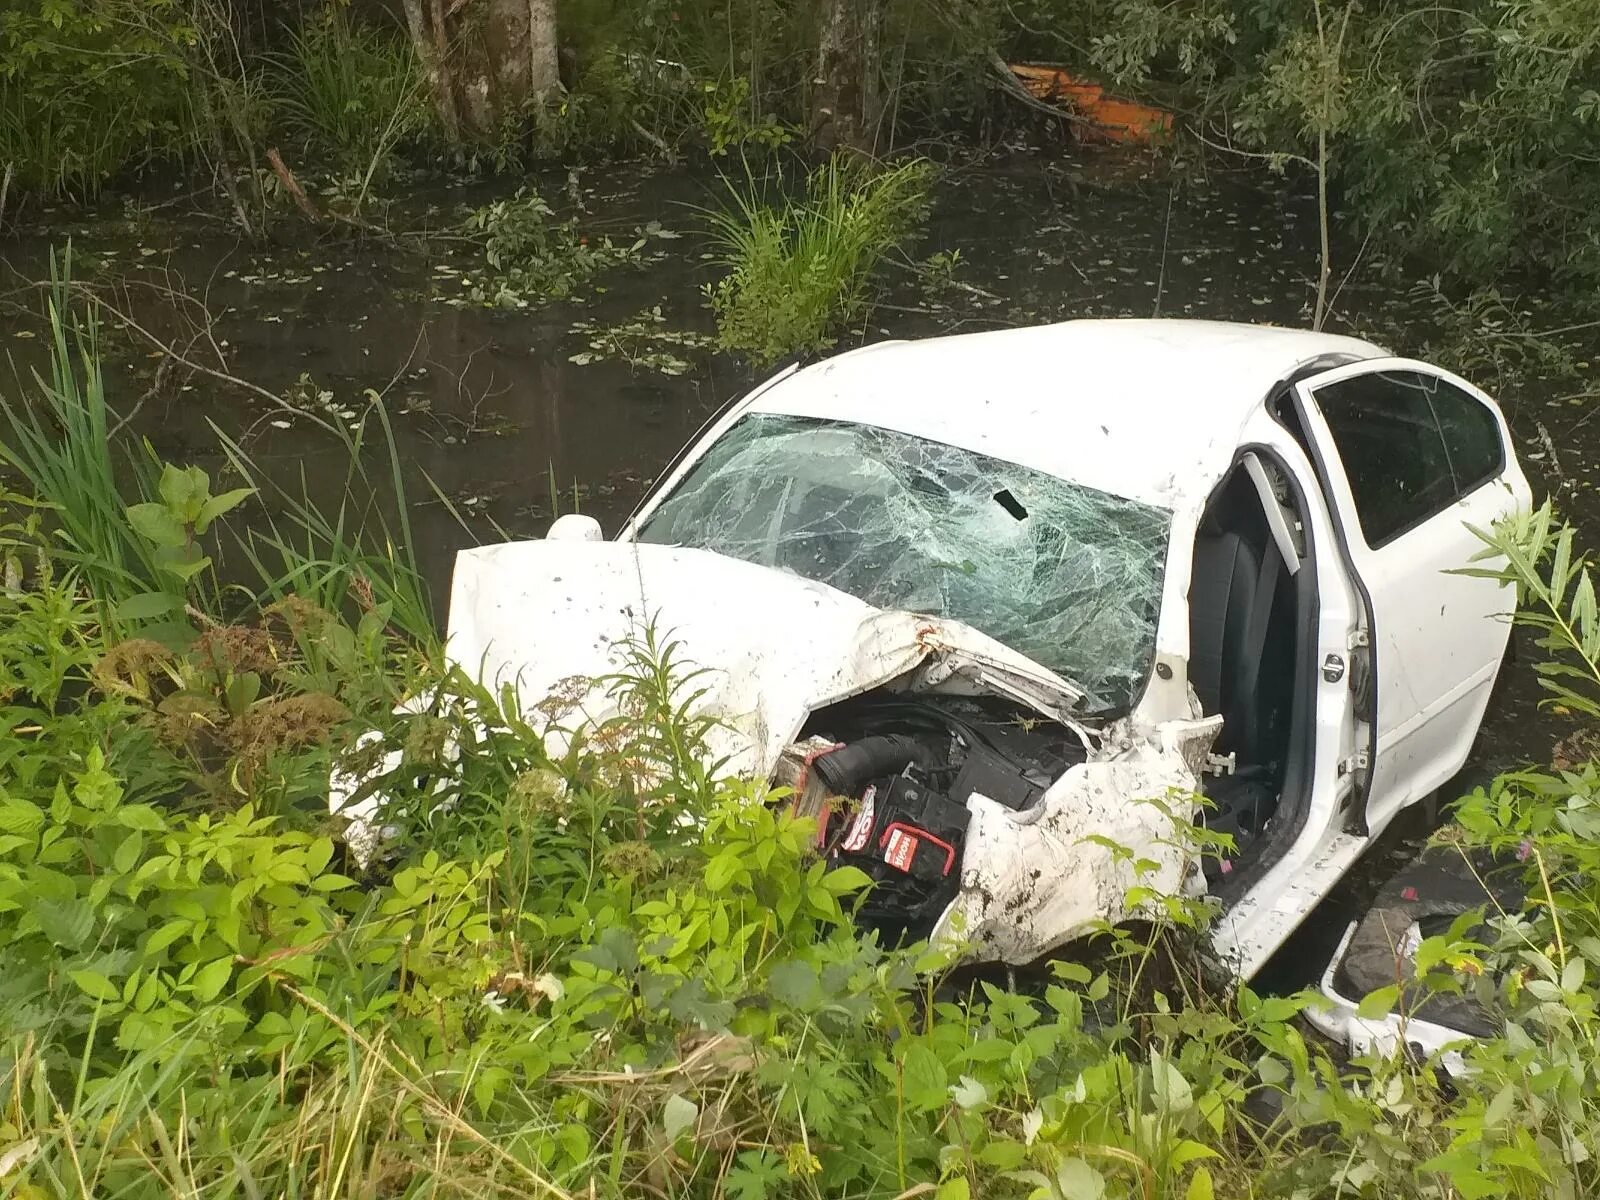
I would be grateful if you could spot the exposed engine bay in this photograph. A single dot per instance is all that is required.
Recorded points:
(888, 776)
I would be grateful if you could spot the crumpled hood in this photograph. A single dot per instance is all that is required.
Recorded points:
(772, 646)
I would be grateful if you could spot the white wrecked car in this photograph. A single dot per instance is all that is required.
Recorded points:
(994, 603)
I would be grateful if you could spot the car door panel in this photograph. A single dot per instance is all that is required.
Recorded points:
(1437, 637)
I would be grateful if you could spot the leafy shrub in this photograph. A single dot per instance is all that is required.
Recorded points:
(532, 257)
(60, 446)
(1462, 134)
(799, 271)
(89, 85)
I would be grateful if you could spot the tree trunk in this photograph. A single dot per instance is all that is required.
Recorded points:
(485, 61)
(847, 99)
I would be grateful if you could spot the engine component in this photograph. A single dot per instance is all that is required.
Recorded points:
(847, 769)
(888, 777)
(907, 838)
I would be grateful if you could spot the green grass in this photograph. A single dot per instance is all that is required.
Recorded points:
(348, 91)
(800, 268)
(360, 552)
(61, 147)
(60, 445)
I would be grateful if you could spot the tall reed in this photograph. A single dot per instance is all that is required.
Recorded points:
(60, 443)
(800, 268)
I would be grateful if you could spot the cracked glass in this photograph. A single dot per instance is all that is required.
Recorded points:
(1065, 574)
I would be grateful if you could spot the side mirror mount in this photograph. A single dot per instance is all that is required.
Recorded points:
(575, 527)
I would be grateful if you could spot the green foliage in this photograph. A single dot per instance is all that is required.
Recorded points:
(60, 446)
(588, 963)
(354, 558)
(1533, 552)
(171, 526)
(531, 257)
(349, 91)
(1461, 132)
(729, 123)
(800, 270)
(86, 86)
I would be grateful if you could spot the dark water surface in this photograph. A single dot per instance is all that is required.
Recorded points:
(490, 406)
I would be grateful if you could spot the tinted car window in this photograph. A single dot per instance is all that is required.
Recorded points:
(1393, 453)
(1471, 436)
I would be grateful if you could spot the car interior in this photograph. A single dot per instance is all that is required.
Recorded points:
(1244, 661)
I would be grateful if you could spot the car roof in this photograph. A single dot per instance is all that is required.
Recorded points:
(1150, 410)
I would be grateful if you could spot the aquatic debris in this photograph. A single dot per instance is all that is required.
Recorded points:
(529, 257)
(306, 396)
(643, 341)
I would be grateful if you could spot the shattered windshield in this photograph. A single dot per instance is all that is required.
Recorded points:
(1065, 574)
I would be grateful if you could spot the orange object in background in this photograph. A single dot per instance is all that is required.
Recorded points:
(1108, 117)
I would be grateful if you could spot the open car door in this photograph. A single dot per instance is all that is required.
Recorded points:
(1410, 457)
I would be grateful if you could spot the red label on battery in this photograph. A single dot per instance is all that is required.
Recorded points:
(861, 827)
(900, 850)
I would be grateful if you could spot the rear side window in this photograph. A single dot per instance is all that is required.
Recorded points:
(1393, 453)
(1471, 436)
(1411, 444)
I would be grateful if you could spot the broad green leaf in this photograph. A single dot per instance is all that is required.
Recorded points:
(923, 1077)
(1171, 1088)
(1079, 1181)
(969, 1093)
(166, 935)
(209, 980)
(146, 606)
(677, 1115)
(1500, 1107)
(140, 816)
(157, 525)
(127, 853)
(795, 984)
(184, 489)
(68, 923)
(186, 568)
(319, 855)
(1379, 1003)
(95, 985)
(1005, 1154)
(18, 816)
(1200, 1186)
(218, 505)
(1188, 1151)
(842, 881)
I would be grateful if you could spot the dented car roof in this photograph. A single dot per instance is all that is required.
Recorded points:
(1150, 410)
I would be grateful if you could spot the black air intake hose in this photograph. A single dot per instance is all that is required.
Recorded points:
(848, 770)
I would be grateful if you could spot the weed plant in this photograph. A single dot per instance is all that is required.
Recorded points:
(800, 269)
